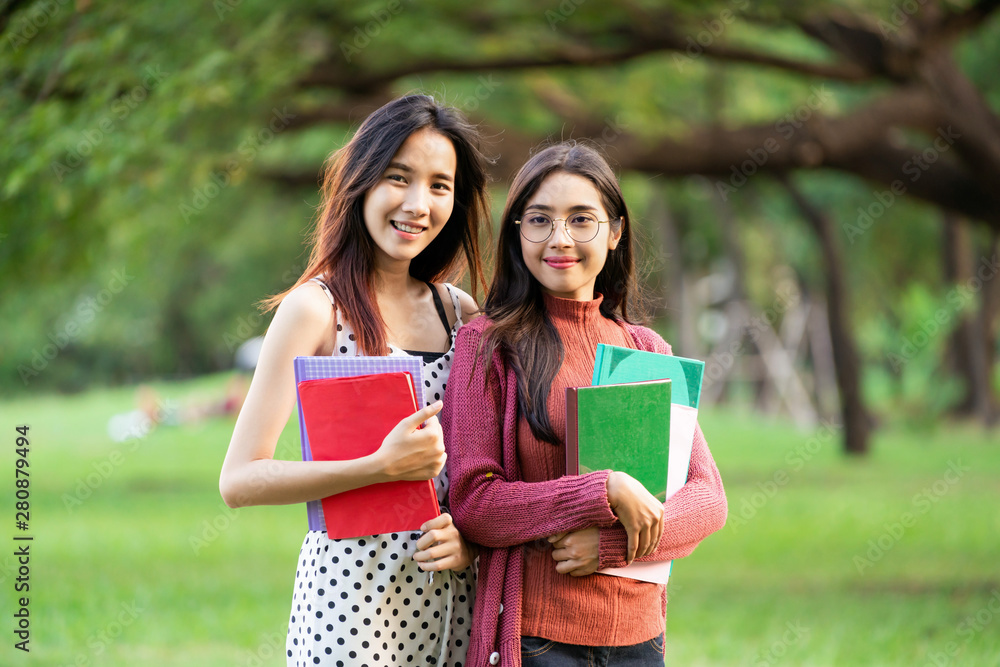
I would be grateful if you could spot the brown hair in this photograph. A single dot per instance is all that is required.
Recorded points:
(519, 327)
(342, 249)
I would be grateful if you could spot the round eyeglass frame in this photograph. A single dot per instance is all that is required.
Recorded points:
(569, 233)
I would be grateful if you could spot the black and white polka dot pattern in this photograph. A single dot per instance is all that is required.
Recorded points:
(364, 601)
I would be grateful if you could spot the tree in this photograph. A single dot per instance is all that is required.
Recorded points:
(109, 160)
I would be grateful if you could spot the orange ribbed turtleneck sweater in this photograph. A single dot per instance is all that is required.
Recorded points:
(596, 610)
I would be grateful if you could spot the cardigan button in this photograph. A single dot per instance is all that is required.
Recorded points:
(501, 607)
(494, 658)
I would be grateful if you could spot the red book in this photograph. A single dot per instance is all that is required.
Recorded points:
(347, 418)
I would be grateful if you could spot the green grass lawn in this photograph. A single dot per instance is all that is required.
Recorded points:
(891, 560)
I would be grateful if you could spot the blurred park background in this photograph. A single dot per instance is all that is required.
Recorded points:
(817, 186)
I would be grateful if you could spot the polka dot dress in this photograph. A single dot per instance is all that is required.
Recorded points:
(364, 601)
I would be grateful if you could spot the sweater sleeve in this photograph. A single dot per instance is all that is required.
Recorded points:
(697, 510)
(488, 508)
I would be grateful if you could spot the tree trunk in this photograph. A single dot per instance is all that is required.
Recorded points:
(957, 270)
(676, 299)
(856, 422)
(991, 323)
(969, 342)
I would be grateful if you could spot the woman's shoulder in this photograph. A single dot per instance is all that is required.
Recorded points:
(477, 327)
(303, 324)
(469, 341)
(468, 305)
(648, 339)
(306, 306)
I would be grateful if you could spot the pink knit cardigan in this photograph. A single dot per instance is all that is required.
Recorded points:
(492, 507)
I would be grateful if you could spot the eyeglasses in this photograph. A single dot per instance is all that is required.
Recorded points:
(581, 227)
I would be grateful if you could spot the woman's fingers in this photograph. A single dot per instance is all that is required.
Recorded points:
(657, 534)
(441, 547)
(576, 568)
(412, 453)
(639, 512)
(412, 422)
(633, 543)
(435, 552)
(577, 553)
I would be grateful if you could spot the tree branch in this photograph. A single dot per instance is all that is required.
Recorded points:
(956, 24)
(639, 41)
(866, 142)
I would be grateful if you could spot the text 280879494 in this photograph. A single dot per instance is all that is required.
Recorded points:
(22, 516)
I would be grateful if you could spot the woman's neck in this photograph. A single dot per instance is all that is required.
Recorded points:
(394, 282)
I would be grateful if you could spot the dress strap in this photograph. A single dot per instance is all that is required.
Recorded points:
(456, 304)
(440, 308)
(326, 290)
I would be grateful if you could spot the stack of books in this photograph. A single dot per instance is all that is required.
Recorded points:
(638, 417)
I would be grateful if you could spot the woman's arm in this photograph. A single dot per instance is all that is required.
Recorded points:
(696, 511)
(304, 325)
(489, 509)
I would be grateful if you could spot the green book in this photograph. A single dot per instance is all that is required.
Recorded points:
(613, 364)
(623, 427)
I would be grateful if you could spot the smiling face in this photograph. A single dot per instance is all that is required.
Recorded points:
(414, 198)
(566, 268)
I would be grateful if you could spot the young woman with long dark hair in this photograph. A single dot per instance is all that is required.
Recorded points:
(403, 203)
(564, 282)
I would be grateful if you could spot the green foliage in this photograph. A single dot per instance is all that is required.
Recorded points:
(908, 356)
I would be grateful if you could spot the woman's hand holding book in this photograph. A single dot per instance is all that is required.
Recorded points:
(410, 452)
(639, 512)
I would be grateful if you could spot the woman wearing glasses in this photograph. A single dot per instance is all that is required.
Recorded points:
(564, 282)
